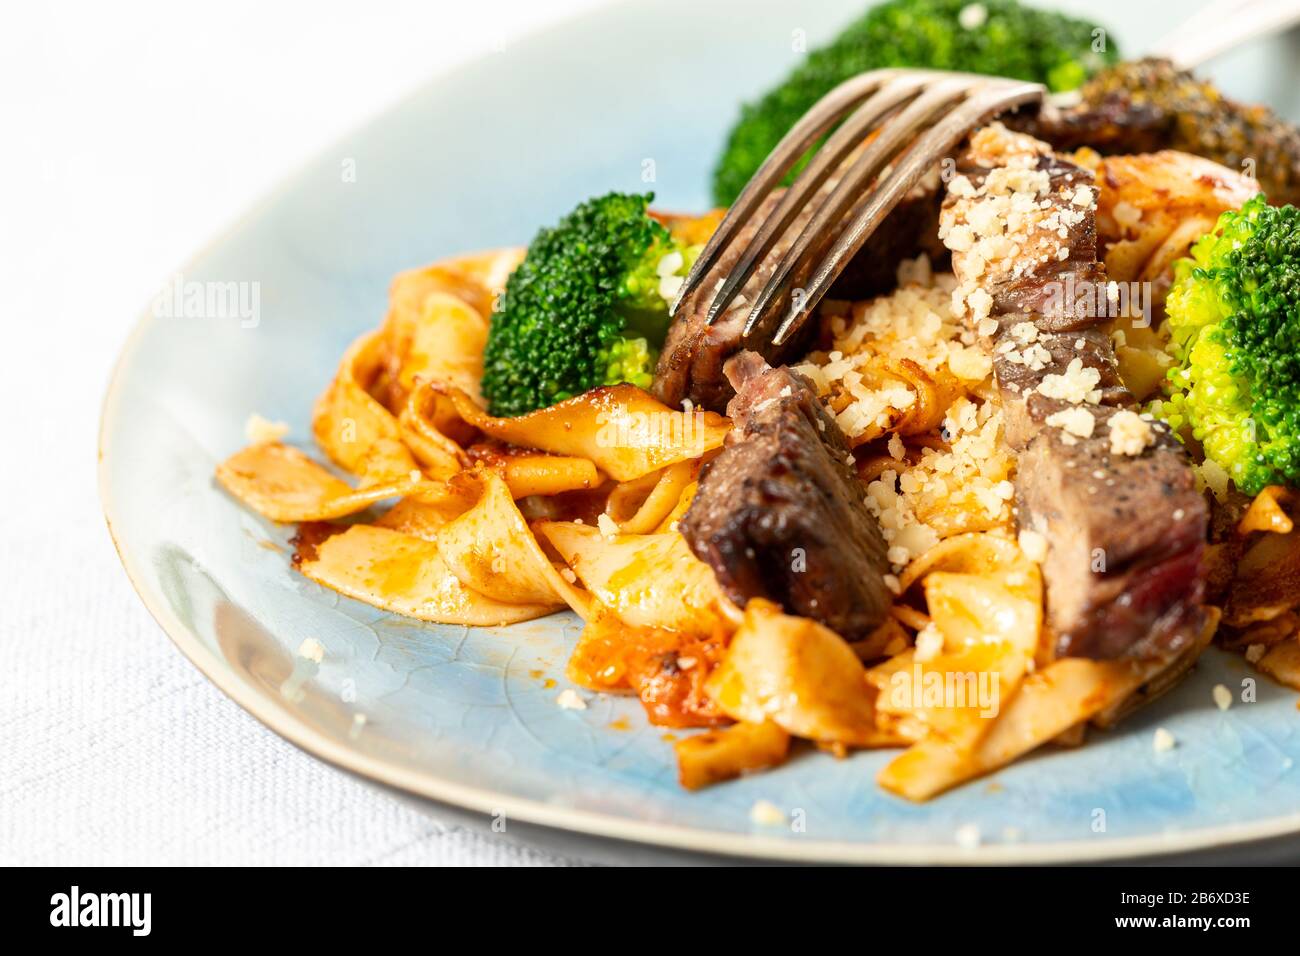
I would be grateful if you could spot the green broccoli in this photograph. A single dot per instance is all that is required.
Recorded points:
(588, 306)
(1233, 316)
(998, 37)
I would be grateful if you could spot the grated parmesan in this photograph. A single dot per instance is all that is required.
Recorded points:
(1129, 434)
(1033, 544)
(1076, 384)
(263, 431)
(1076, 421)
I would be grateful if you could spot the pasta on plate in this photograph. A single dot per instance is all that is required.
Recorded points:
(428, 506)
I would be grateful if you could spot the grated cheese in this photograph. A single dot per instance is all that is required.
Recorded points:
(263, 431)
(1076, 421)
(1033, 544)
(570, 700)
(1129, 434)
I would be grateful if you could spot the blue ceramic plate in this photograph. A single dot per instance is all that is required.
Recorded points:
(479, 158)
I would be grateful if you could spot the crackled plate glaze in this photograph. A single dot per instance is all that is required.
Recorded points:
(476, 159)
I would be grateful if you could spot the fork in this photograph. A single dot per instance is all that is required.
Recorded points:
(907, 100)
(947, 106)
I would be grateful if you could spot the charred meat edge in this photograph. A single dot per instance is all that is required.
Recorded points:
(779, 514)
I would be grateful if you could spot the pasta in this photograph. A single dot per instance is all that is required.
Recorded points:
(624, 431)
(460, 517)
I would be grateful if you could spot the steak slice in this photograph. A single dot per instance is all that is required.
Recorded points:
(779, 514)
(1110, 492)
(1126, 536)
(691, 362)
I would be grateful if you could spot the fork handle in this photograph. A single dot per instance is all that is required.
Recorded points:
(1219, 26)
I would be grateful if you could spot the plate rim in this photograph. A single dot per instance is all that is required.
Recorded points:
(282, 720)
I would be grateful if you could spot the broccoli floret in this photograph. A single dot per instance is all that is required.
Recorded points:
(998, 37)
(585, 308)
(1234, 324)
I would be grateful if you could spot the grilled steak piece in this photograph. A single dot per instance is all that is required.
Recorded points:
(1148, 105)
(1109, 490)
(779, 513)
(1126, 538)
(690, 364)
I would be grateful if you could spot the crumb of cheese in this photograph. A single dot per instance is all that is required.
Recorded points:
(1076, 384)
(569, 700)
(929, 642)
(767, 814)
(312, 650)
(263, 431)
(968, 836)
(1163, 741)
(606, 525)
(1077, 421)
(1129, 434)
(1033, 544)
(1222, 697)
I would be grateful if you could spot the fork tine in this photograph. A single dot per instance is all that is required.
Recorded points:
(932, 146)
(793, 145)
(892, 95)
(891, 137)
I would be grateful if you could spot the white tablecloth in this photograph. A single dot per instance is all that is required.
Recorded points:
(132, 133)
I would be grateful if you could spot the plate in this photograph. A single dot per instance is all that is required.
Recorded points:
(479, 158)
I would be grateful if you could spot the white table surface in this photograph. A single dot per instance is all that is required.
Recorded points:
(132, 133)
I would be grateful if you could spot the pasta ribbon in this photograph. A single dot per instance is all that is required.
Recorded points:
(984, 602)
(490, 549)
(799, 675)
(644, 505)
(537, 473)
(1047, 704)
(1266, 512)
(718, 755)
(405, 574)
(283, 484)
(647, 580)
(437, 321)
(622, 429)
(347, 420)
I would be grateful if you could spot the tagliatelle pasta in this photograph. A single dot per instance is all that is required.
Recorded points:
(348, 419)
(437, 321)
(645, 580)
(466, 518)
(653, 508)
(491, 549)
(405, 574)
(283, 484)
(625, 431)
(984, 604)
(800, 676)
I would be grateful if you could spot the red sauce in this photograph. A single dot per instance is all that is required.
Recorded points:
(665, 669)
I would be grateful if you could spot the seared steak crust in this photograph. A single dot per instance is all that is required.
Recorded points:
(1147, 105)
(779, 513)
(1126, 539)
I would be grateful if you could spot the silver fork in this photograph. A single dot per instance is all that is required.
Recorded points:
(901, 103)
